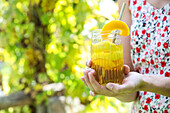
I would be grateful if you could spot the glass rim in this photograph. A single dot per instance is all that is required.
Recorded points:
(100, 32)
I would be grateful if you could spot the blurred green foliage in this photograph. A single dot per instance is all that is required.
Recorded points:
(41, 42)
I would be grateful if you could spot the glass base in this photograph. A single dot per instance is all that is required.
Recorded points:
(104, 76)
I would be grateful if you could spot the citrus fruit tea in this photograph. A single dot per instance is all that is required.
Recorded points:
(107, 52)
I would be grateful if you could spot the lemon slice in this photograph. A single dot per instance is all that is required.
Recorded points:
(115, 25)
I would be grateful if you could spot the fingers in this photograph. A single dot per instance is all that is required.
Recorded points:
(88, 63)
(87, 73)
(94, 86)
(93, 93)
(82, 78)
(99, 89)
(94, 83)
(126, 69)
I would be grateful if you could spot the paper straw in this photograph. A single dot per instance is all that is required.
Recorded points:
(122, 10)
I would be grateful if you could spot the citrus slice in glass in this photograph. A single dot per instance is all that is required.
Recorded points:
(115, 25)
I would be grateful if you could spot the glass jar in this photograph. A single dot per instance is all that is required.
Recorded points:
(107, 56)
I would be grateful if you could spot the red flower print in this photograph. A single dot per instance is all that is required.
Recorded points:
(167, 74)
(130, 38)
(153, 13)
(156, 52)
(133, 61)
(138, 59)
(143, 60)
(168, 106)
(152, 62)
(148, 42)
(142, 103)
(139, 69)
(165, 111)
(138, 50)
(137, 14)
(146, 70)
(133, 33)
(139, 111)
(157, 96)
(158, 31)
(148, 100)
(163, 63)
(164, 19)
(166, 29)
(165, 45)
(139, 97)
(146, 53)
(143, 32)
(154, 111)
(143, 16)
(156, 18)
(143, 46)
(134, 2)
(145, 107)
(144, 2)
(156, 60)
(153, 106)
(169, 13)
(163, 35)
(161, 72)
(145, 93)
(136, 33)
(167, 54)
(148, 34)
(158, 24)
(156, 66)
(151, 51)
(159, 44)
(139, 8)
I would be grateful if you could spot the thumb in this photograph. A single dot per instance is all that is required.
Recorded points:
(113, 87)
(116, 87)
(126, 69)
(88, 63)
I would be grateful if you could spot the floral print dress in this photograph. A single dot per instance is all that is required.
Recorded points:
(150, 51)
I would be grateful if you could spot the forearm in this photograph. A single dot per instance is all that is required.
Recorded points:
(156, 84)
(127, 98)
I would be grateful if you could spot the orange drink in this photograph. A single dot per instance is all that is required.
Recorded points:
(107, 52)
(107, 57)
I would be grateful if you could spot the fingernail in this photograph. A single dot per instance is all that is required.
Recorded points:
(92, 93)
(82, 78)
(85, 76)
(90, 74)
(109, 86)
(87, 63)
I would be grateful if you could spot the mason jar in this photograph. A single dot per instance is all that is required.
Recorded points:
(107, 56)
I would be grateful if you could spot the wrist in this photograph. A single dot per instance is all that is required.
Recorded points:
(144, 83)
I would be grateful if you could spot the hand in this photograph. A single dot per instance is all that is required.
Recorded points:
(130, 84)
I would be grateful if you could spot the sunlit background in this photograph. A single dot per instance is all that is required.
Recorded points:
(48, 41)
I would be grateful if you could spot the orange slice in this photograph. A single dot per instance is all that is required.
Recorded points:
(115, 25)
